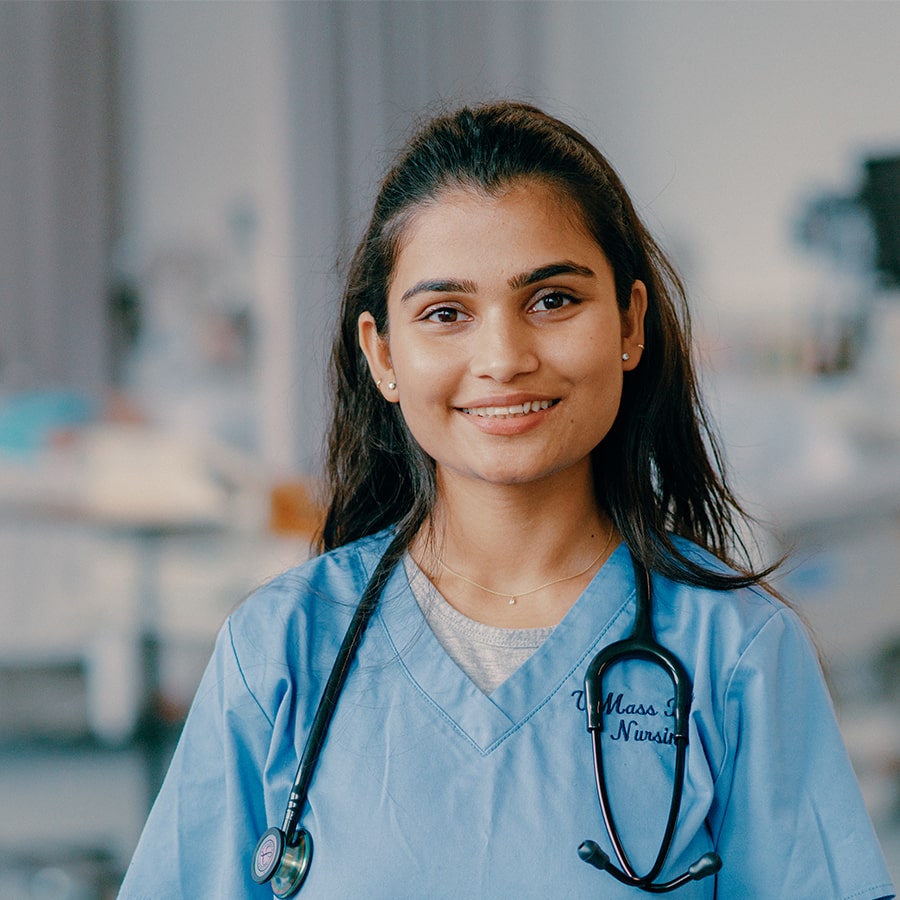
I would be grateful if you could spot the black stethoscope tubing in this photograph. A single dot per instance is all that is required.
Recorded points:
(334, 686)
(283, 855)
(642, 645)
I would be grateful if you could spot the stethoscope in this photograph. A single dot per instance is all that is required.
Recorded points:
(642, 645)
(283, 855)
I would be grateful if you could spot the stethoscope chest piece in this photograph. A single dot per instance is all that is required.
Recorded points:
(285, 865)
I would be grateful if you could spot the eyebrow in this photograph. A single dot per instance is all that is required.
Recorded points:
(465, 286)
(440, 286)
(550, 271)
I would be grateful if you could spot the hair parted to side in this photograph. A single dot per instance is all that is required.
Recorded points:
(658, 472)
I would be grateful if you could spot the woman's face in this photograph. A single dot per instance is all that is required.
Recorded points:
(505, 340)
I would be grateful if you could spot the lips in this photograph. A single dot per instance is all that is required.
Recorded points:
(505, 412)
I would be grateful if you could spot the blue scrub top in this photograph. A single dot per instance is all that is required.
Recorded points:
(426, 787)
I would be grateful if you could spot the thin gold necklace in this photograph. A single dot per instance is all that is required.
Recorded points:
(514, 597)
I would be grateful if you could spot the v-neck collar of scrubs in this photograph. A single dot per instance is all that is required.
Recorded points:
(486, 721)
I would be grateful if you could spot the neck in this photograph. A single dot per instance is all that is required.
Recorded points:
(512, 539)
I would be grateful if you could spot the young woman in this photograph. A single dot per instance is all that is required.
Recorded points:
(519, 455)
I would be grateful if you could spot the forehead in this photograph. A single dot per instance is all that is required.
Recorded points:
(527, 224)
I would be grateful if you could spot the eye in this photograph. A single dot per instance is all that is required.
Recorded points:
(443, 315)
(552, 300)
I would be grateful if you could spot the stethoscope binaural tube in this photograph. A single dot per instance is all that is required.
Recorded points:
(283, 855)
(641, 645)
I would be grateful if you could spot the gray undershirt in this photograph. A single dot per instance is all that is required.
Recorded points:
(486, 653)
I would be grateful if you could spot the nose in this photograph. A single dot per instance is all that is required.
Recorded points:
(503, 347)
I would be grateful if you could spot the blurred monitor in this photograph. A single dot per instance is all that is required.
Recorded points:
(881, 197)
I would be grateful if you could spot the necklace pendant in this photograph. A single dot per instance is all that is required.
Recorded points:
(512, 601)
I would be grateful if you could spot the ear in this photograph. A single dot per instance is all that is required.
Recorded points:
(377, 352)
(633, 326)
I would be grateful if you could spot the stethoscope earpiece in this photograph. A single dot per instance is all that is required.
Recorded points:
(708, 864)
(591, 853)
(285, 865)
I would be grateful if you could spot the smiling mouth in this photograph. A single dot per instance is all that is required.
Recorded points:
(506, 412)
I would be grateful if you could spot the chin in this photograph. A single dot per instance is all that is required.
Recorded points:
(510, 474)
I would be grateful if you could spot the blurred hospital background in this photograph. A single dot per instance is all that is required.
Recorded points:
(179, 186)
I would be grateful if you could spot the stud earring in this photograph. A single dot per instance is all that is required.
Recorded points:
(625, 357)
(641, 346)
(392, 385)
(378, 383)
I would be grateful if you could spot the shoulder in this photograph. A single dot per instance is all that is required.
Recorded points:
(726, 631)
(297, 619)
(337, 576)
(748, 654)
(748, 608)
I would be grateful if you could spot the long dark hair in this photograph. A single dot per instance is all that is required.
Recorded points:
(657, 473)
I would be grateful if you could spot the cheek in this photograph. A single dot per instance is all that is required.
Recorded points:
(425, 392)
(592, 361)
(425, 373)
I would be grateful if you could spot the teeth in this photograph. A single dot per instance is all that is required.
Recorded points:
(517, 410)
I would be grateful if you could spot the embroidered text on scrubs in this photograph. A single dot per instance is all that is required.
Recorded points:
(616, 706)
(630, 732)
